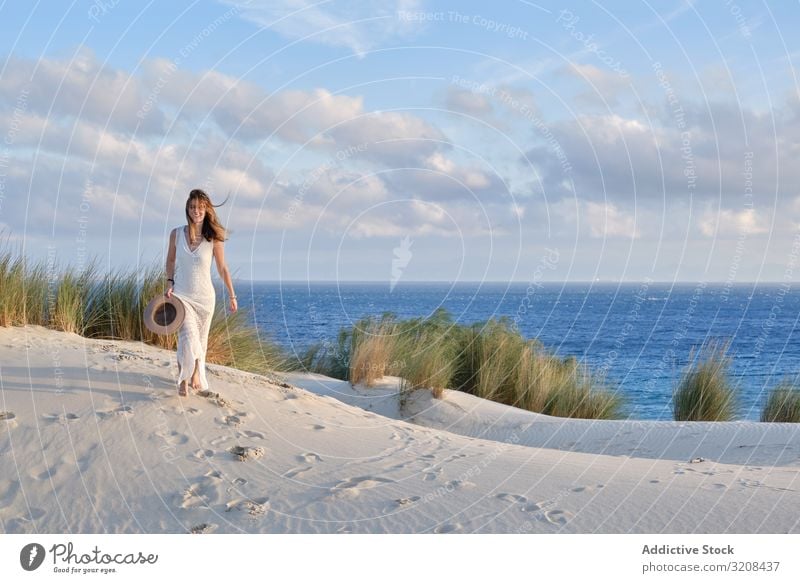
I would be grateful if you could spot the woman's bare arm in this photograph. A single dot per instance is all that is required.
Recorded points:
(170, 268)
(222, 269)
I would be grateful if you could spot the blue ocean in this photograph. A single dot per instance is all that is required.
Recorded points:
(640, 336)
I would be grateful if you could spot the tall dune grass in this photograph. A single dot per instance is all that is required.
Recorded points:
(705, 392)
(111, 306)
(374, 344)
(329, 357)
(783, 404)
(490, 360)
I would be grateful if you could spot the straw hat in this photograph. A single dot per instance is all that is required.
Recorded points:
(164, 315)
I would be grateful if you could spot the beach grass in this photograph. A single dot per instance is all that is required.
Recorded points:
(704, 392)
(111, 306)
(490, 360)
(783, 404)
(373, 345)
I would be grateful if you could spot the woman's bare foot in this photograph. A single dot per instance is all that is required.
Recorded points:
(182, 391)
(195, 384)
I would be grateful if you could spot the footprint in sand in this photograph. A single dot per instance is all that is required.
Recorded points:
(124, 410)
(232, 420)
(255, 507)
(204, 528)
(9, 494)
(173, 437)
(517, 498)
(7, 416)
(432, 475)
(215, 398)
(454, 457)
(42, 476)
(399, 503)
(254, 434)
(62, 417)
(317, 427)
(353, 487)
(235, 485)
(448, 528)
(558, 517)
(36, 513)
(459, 484)
(586, 488)
(309, 457)
(125, 355)
(220, 440)
(293, 473)
(244, 453)
(203, 454)
(203, 493)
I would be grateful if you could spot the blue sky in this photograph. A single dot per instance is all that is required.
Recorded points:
(454, 141)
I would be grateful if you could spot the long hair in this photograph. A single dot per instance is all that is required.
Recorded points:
(211, 229)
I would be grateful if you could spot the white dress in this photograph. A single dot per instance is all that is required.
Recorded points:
(194, 288)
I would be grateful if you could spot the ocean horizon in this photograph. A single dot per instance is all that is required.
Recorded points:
(639, 336)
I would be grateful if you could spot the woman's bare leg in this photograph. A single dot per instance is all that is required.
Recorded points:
(196, 375)
(182, 387)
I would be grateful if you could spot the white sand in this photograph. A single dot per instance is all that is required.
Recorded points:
(97, 440)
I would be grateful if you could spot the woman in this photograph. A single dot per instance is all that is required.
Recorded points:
(189, 280)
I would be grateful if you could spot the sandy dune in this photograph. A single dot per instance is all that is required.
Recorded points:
(93, 438)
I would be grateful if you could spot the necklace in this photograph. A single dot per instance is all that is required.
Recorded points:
(193, 240)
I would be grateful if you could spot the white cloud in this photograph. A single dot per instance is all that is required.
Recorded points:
(358, 26)
(79, 86)
(729, 222)
(469, 102)
(625, 159)
(607, 220)
(604, 86)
